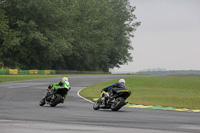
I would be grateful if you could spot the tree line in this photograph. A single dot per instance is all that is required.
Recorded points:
(92, 35)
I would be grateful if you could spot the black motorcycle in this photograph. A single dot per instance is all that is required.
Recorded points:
(54, 97)
(114, 102)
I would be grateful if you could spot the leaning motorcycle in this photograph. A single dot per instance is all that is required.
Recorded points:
(114, 103)
(54, 97)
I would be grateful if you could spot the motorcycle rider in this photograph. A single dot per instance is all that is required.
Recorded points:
(110, 90)
(64, 83)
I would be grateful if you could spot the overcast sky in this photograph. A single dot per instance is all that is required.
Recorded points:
(168, 37)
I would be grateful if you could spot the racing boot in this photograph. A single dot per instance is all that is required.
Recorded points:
(103, 102)
(63, 100)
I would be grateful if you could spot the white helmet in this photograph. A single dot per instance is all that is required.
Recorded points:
(65, 79)
(122, 81)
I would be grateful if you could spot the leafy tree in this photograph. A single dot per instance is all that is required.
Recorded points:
(8, 41)
(90, 44)
(42, 35)
(3, 24)
(66, 34)
(103, 31)
(125, 24)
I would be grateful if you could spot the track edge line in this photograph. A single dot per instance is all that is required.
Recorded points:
(78, 93)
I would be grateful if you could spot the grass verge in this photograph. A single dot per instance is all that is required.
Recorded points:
(10, 78)
(180, 92)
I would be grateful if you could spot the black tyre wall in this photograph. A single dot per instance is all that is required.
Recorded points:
(56, 101)
(119, 105)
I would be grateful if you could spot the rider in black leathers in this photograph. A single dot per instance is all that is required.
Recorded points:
(112, 89)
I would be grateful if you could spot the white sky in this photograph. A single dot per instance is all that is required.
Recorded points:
(168, 37)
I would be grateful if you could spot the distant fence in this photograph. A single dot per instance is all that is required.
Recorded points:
(46, 72)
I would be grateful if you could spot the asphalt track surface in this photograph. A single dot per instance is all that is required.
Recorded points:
(20, 112)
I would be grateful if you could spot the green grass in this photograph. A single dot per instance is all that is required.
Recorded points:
(180, 92)
(10, 78)
(183, 92)
(187, 75)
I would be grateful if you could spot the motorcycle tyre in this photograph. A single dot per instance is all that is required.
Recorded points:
(119, 104)
(56, 101)
(96, 105)
(42, 102)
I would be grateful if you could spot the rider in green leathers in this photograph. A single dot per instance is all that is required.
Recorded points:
(62, 84)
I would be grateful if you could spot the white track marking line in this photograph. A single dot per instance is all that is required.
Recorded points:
(78, 93)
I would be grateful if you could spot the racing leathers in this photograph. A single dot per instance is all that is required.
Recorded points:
(61, 84)
(111, 90)
(115, 87)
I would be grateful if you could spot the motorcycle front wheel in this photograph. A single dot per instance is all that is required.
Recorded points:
(96, 105)
(42, 102)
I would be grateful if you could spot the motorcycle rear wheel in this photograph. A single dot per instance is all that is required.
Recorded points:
(56, 101)
(119, 102)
